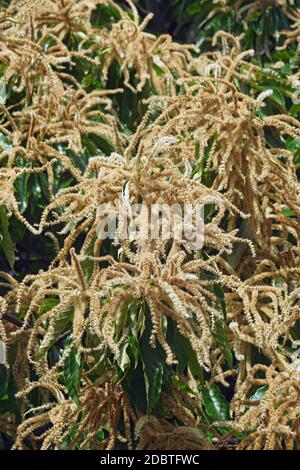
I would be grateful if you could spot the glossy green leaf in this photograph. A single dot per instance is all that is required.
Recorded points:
(134, 348)
(72, 371)
(260, 393)
(215, 404)
(295, 110)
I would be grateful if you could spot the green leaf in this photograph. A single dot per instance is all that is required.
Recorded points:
(59, 325)
(295, 110)
(215, 404)
(8, 402)
(134, 349)
(177, 346)
(137, 320)
(153, 360)
(287, 212)
(158, 70)
(47, 305)
(197, 153)
(3, 95)
(183, 385)
(193, 363)
(72, 371)
(3, 380)
(221, 339)
(21, 188)
(134, 384)
(124, 361)
(153, 374)
(121, 320)
(277, 97)
(6, 242)
(260, 393)
(44, 185)
(220, 295)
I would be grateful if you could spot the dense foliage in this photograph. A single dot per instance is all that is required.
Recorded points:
(142, 343)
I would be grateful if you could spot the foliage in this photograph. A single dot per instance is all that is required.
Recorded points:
(147, 344)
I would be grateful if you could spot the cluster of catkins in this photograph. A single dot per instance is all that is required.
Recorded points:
(231, 307)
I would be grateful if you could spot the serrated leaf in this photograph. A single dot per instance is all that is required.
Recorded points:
(215, 404)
